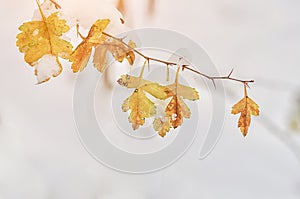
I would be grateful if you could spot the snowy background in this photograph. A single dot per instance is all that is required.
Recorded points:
(41, 155)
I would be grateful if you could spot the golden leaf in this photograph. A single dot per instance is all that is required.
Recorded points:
(153, 88)
(82, 53)
(162, 127)
(40, 38)
(176, 110)
(118, 49)
(246, 107)
(185, 92)
(141, 107)
(100, 58)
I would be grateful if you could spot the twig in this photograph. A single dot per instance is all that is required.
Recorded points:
(57, 6)
(167, 63)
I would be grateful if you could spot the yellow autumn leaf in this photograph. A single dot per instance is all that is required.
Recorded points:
(99, 59)
(161, 126)
(118, 49)
(153, 88)
(246, 107)
(41, 38)
(82, 53)
(177, 109)
(141, 108)
(185, 92)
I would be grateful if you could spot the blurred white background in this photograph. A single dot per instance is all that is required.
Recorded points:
(41, 155)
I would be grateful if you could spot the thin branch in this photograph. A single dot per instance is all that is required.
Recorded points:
(187, 67)
(57, 6)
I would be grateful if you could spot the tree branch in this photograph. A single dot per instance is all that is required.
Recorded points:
(187, 67)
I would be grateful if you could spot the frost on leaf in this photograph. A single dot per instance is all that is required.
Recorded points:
(80, 56)
(117, 48)
(246, 107)
(138, 103)
(43, 38)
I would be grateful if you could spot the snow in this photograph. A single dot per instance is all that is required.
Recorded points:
(41, 155)
(46, 68)
(96, 10)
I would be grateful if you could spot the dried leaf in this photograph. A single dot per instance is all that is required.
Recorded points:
(246, 107)
(141, 107)
(176, 110)
(153, 88)
(162, 127)
(82, 53)
(185, 92)
(119, 50)
(40, 38)
(100, 58)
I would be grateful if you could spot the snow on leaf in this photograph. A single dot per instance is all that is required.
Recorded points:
(43, 37)
(48, 7)
(246, 107)
(46, 67)
(119, 50)
(82, 53)
(141, 107)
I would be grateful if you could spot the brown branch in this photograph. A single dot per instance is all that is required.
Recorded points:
(57, 6)
(212, 78)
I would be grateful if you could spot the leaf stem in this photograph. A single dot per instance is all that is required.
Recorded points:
(143, 68)
(245, 90)
(57, 6)
(78, 32)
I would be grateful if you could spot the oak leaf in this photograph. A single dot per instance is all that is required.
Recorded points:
(43, 38)
(246, 107)
(80, 56)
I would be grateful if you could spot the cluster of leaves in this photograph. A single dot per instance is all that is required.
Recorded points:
(142, 107)
(43, 39)
(40, 39)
